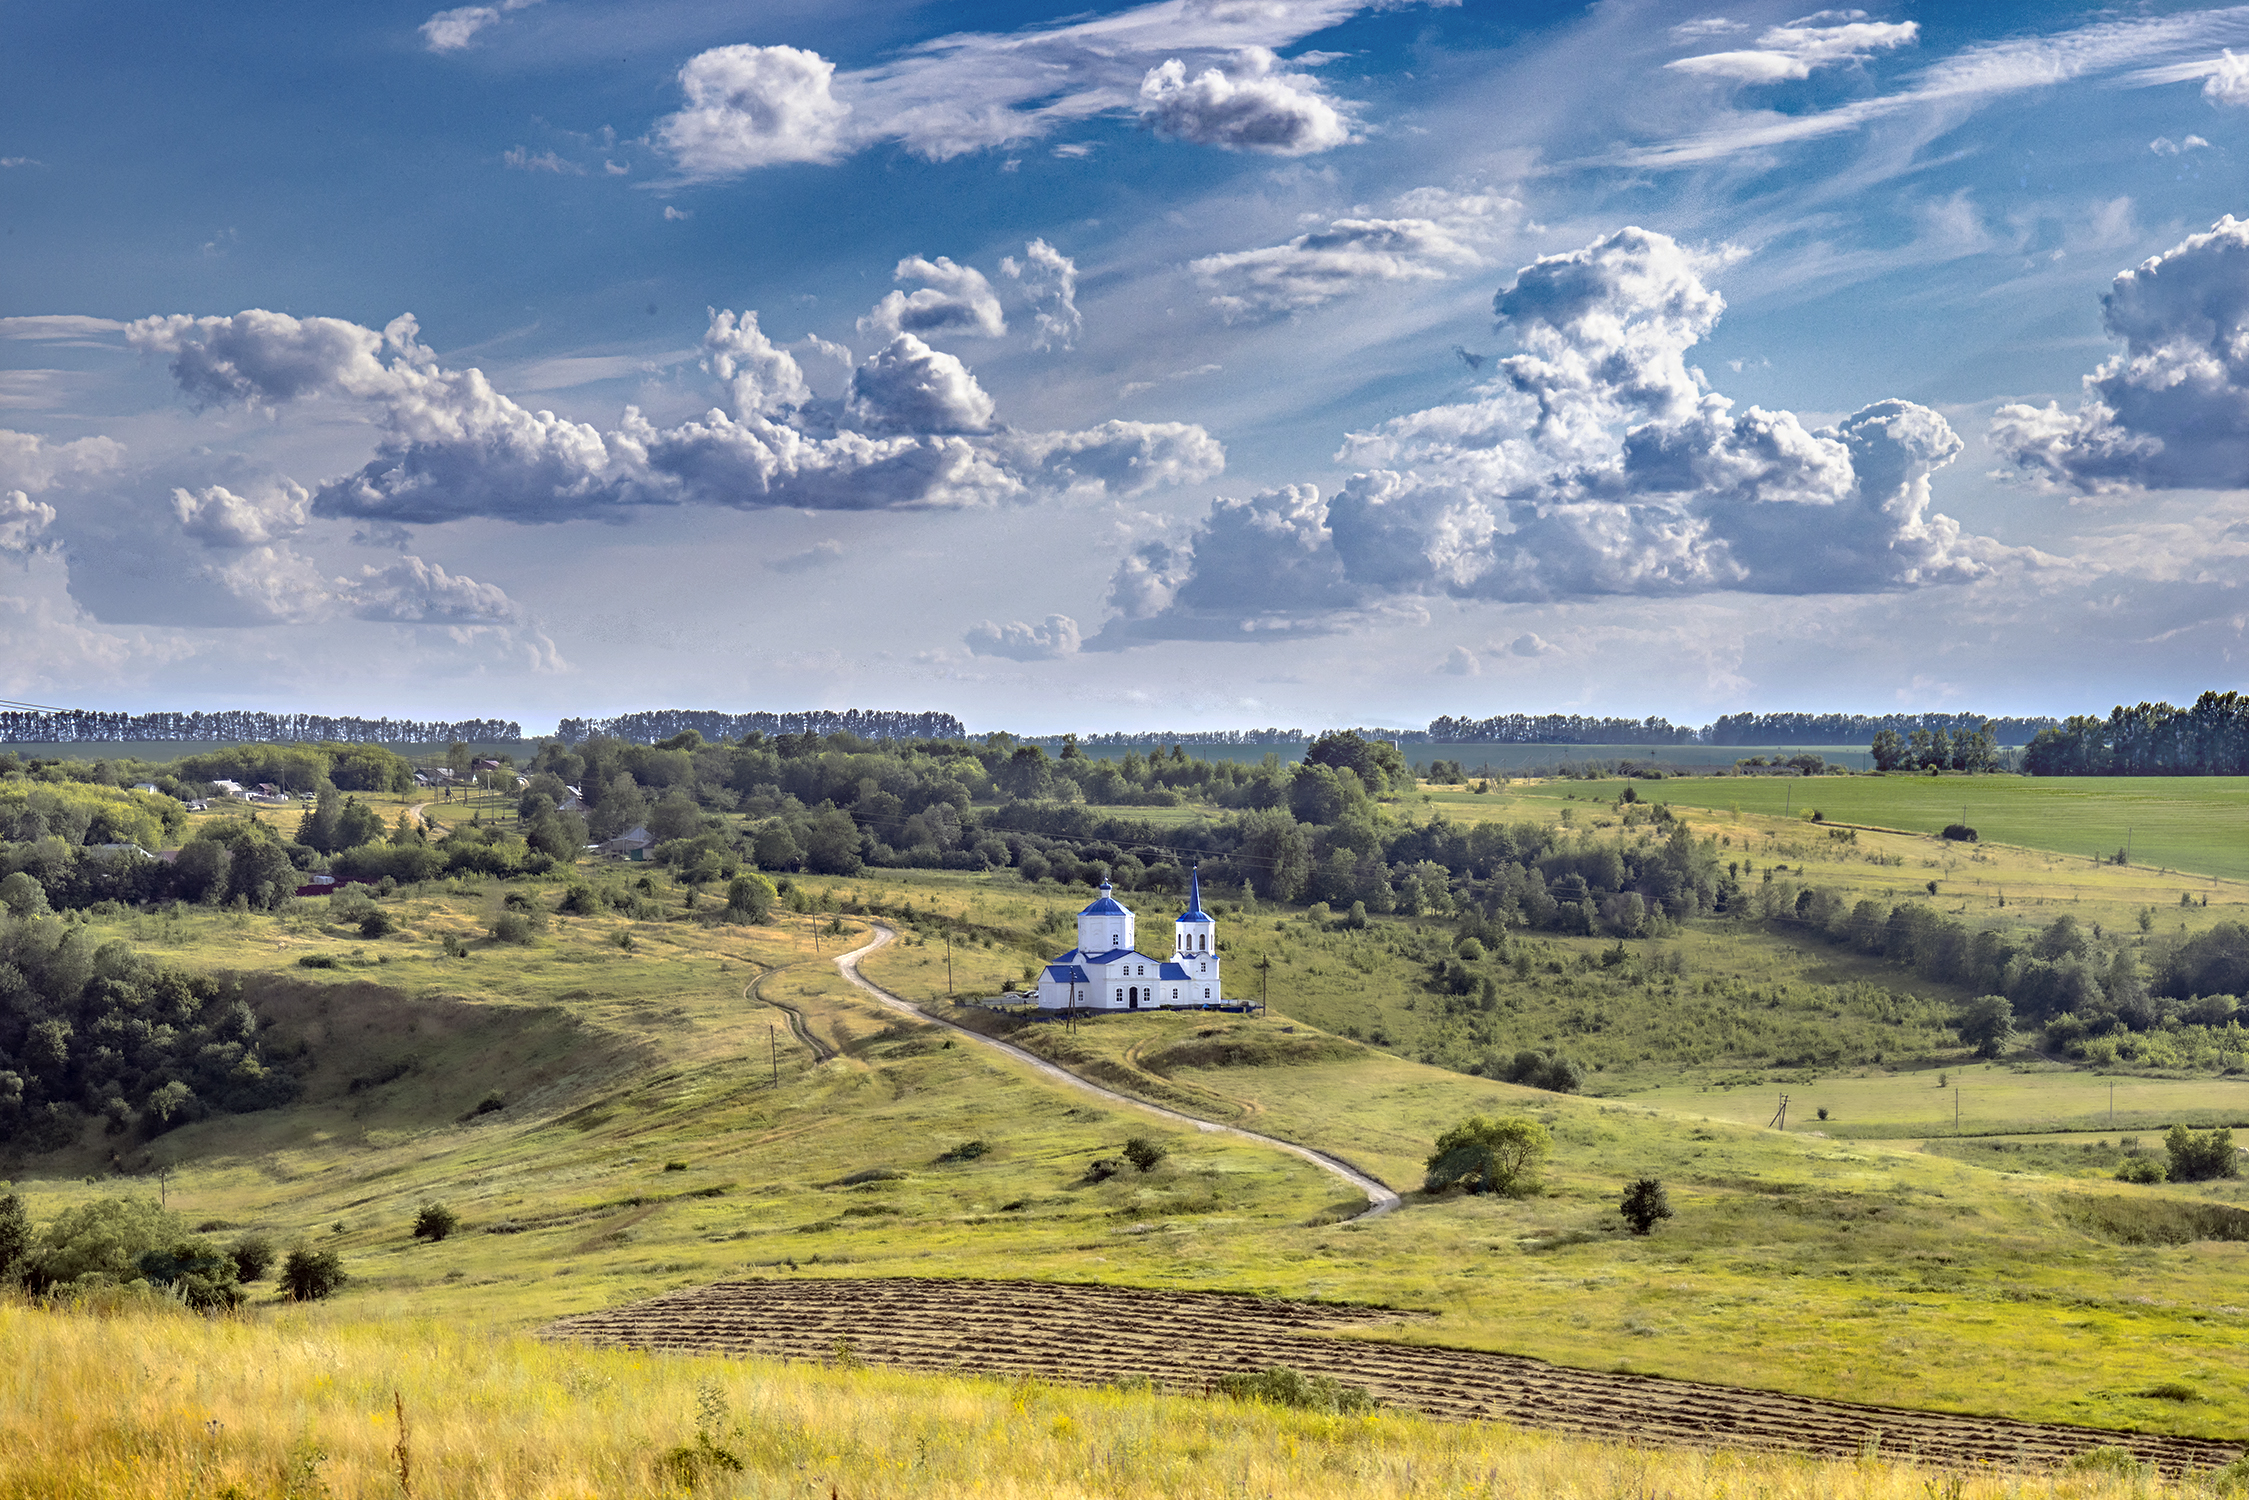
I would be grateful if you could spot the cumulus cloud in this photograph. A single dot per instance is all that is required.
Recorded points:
(2229, 82)
(2172, 410)
(451, 30)
(914, 429)
(2163, 145)
(750, 107)
(22, 521)
(952, 300)
(1057, 638)
(29, 462)
(1246, 105)
(279, 585)
(218, 517)
(1802, 47)
(1049, 280)
(1347, 256)
(1530, 643)
(1461, 662)
(1595, 463)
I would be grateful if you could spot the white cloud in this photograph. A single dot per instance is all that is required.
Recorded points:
(521, 159)
(2172, 410)
(452, 30)
(915, 430)
(22, 521)
(2163, 145)
(973, 91)
(1596, 463)
(71, 329)
(818, 555)
(218, 517)
(1248, 105)
(2228, 82)
(750, 107)
(955, 300)
(1461, 662)
(29, 462)
(1049, 280)
(1801, 47)
(1530, 643)
(1057, 638)
(277, 584)
(1347, 256)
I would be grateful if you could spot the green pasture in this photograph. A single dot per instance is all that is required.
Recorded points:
(2192, 823)
(1977, 1099)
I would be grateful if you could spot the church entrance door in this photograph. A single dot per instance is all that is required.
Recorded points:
(1132, 998)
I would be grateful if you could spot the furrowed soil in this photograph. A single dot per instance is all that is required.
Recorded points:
(1105, 1335)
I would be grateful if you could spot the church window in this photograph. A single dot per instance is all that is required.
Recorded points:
(1206, 942)
(1206, 994)
(1120, 992)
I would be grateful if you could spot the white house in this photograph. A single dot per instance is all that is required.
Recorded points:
(1106, 971)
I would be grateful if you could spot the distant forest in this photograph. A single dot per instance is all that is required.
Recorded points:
(2154, 739)
(1731, 729)
(664, 723)
(70, 726)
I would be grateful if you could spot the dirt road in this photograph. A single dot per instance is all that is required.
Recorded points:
(1380, 1199)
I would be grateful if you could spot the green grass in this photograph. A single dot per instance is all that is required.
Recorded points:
(2187, 823)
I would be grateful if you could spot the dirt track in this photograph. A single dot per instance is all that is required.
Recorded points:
(1088, 1335)
(1381, 1199)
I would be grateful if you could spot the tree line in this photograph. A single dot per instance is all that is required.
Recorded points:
(653, 725)
(88, 726)
(2152, 739)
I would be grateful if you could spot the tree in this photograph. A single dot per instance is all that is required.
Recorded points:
(196, 1271)
(435, 1221)
(1644, 1203)
(309, 1275)
(831, 844)
(775, 849)
(15, 1238)
(1889, 750)
(1480, 1155)
(1987, 1024)
(749, 898)
(2199, 1158)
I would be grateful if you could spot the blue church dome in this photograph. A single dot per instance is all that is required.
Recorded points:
(1105, 906)
(1194, 911)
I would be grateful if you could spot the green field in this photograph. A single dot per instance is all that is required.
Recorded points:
(2192, 823)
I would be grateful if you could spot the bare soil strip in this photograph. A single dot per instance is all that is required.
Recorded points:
(1380, 1198)
(1182, 1341)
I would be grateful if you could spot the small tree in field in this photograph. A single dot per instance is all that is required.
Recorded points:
(435, 1222)
(1644, 1203)
(308, 1274)
(1489, 1156)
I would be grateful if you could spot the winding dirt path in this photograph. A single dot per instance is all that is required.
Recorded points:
(1380, 1199)
(820, 1050)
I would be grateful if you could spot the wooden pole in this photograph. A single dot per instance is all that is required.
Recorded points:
(773, 1051)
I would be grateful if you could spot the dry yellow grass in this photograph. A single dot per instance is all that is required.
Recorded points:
(147, 1401)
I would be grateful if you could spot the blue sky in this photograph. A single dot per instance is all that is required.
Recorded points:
(1200, 363)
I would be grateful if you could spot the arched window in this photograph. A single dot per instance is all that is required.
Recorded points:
(1206, 994)
(1120, 992)
(1206, 942)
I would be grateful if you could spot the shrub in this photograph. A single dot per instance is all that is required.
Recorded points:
(675, 1166)
(309, 1275)
(1101, 1169)
(1489, 1156)
(317, 961)
(511, 927)
(253, 1257)
(1144, 1153)
(377, 923)
(1544, 1070)
(491, 1103)
(2198, 1158)
(15, 1238)
(580, 901)
(2140, 1169)
(435, 1222)
(1282, 1386)
(1644, 1203)
(1470, 949)
(195, 1271)
(102, 1241)
(966, 1151)
(1959, 833)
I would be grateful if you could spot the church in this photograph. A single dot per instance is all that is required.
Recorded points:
(1106, 971)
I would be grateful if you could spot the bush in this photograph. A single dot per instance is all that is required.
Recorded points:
(317, 961)
(1959, 833)
(1144, 1153)
(376, 924)
(253, 1257)
(15, 1238)
(195, 1271)
(1544, 1070)
(1489, 1156)
(511, 927)
(1644, 1203)
(580, 901)
(2140, 1169)
(309, 1275)
(1281, 1386)
(2199, 1158)
(435, 1222)
(966, 1151)
(1103, 1168)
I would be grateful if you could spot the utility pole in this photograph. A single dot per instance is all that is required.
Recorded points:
(1780, 1119)
(2112, 1104)
(773, 1051)
(948, 963)
(1956, 1111)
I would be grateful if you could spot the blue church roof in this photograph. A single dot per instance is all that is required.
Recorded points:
(1066, 974)
(1173, 971)
(1194, 911)
(1104, 906)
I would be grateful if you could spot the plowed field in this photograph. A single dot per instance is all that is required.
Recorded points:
(1085, 1335)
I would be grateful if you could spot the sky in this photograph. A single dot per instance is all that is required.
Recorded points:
(1193, 364)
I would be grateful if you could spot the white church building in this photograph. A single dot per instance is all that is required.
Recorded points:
(1106, 971)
